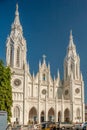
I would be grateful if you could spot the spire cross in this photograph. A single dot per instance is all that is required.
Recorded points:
(44, 56)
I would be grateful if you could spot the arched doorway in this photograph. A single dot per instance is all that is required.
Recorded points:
(66, 115)
(17, 114)
(33, 114)
(78, 115)
(59, 116)
(42, 116)
(51, 116)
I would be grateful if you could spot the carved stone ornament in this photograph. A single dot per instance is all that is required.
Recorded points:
(44, 91)
(17, 82)
(77, 90)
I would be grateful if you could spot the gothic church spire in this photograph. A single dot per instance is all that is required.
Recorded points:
(16, 21)
(71, 43)
(71, 51)
(16, 24)
(16, 44)
(72, 61)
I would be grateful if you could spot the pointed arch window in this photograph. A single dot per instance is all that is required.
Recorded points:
(44, 77)
(17, 113)
(78, 112)
(18, 57)
(11, 55)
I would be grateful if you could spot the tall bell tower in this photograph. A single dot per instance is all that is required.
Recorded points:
(16, 59)
(73, 82)
(72, 61)
(16, 45)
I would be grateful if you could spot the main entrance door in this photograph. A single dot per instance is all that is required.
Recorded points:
(42, 116)
(51, 116)
(33, 115)
(66, 115)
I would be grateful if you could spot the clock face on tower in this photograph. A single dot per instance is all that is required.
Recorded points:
(17, 82)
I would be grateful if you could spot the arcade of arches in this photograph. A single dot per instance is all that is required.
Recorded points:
(51, 115)
(33, 115)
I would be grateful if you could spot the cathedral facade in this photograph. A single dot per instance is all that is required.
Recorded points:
(39, 97)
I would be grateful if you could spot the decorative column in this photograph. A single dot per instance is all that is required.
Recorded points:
(14, 57)
(39, 99)
(32, 85)
(71, 100)
(25, 117)
(82, 96)
(62, 110)
(39, 109)
(56, 112)
(46, 109)
(24, 96)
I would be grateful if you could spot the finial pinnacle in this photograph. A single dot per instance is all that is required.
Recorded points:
(71, 32)
(17, 6)
(71, 37)
(58, 74)
(44, 56)
(16, 20)
(39, 64)
(16, 13)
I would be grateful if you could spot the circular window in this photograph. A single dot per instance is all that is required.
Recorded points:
(44, 91)
(77, 90)
(17, 82)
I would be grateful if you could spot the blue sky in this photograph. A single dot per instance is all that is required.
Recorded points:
(46, 28)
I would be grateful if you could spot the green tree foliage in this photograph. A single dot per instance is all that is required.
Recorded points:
(5, 89)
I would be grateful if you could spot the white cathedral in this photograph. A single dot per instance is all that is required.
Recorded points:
(39, 97)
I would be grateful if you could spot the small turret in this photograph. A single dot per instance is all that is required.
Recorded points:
(33, 75)
(49, 66)
(39, 65)
(58, 75)
(44, 57)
